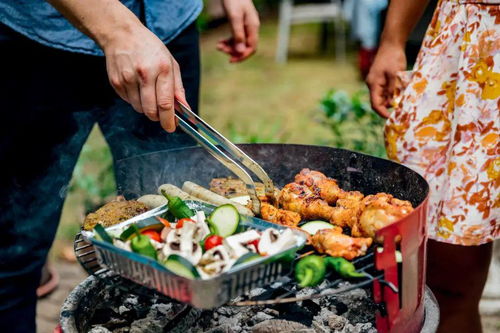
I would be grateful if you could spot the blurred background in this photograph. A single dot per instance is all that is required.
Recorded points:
(304, 85)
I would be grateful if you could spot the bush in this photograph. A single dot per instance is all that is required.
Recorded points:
(353, 123)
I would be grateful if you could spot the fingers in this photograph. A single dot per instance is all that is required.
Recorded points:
(238, 30)
(391, 85)
(377, 85)
(148, 95)
(165, 90)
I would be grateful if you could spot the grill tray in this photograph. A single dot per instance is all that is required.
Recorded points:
(204, 294)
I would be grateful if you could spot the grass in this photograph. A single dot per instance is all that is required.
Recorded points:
(257, 100)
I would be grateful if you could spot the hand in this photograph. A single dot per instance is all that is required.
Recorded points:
(143, 72)
(244, 21)
(381, 79)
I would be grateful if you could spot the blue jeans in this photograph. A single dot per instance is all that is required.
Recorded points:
(51, 100)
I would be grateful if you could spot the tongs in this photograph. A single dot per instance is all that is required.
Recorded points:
(193, 125)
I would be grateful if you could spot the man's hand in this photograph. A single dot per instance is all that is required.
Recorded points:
(244, 21)
(381, 79)
(143, 72)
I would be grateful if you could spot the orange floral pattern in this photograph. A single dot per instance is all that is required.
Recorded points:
(446, 121)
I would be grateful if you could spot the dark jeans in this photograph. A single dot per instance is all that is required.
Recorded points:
(50, 101)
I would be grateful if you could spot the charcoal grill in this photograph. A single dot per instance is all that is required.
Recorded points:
(398, 289)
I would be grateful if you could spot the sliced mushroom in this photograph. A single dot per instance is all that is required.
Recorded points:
(182, 242)
(215, 261)
(272, 241)
(238, 243)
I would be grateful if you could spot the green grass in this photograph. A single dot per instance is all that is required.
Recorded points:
(255, 101)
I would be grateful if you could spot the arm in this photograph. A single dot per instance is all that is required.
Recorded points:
(390, 59)
(140, 68)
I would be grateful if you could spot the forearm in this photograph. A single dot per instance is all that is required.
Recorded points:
(101, 20)
(402, 17)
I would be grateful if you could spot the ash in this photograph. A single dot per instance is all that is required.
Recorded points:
(349, 312)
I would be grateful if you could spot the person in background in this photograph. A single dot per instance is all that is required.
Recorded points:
(445, 124)
(120, 64)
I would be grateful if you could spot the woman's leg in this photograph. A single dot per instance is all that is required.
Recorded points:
(456, 275)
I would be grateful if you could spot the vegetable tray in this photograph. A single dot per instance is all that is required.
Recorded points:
(200, 293)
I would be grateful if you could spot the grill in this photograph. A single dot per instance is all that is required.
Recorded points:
(398, 289)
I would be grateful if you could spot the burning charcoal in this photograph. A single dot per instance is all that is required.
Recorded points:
(221, 329)
(260, 317)
(336, 323)
(277, 325)
(271, 312)
(99, 329)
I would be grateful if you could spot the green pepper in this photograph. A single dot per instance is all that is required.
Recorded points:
(102, 234)
(178, 207)
(141, 244)
(310, 271)
(343, 267)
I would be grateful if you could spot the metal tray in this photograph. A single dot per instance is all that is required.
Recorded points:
(200, 293)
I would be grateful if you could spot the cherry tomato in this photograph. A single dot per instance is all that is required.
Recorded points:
(213, 241)
(256, 244)
(154, 235)
(180, 223)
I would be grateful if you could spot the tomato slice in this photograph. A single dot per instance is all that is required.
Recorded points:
(256, 244)
(213, 241)
(154, 235)
(163, 221)
(180, 223)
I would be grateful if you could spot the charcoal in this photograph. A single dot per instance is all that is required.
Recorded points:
(336, 323)
(99, 329)
(276, 325)
(260, 317)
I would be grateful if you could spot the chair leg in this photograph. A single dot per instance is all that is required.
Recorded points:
(340, 40)
(285, 22)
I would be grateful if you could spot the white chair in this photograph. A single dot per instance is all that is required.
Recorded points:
(307, 13)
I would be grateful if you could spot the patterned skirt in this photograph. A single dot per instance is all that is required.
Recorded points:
(446, 121)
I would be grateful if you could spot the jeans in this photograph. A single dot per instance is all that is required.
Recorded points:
(51, 100)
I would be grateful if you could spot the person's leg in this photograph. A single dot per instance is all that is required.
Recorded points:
(130, 133)
(41, 135)
(456, 275)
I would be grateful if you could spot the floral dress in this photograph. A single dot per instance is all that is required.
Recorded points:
(446, 121)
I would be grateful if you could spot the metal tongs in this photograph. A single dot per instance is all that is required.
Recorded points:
(193, 125)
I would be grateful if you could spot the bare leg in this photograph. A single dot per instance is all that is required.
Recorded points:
(456, 275)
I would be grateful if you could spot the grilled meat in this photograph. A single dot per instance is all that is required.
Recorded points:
(334, 243)
(378, 211)
(114, 212)
(230, 188)
(326, 188)
(299, 198)
(279, 216)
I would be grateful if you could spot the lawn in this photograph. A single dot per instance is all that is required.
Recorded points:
(255, 101)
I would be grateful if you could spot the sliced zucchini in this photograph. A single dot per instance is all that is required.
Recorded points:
(181, 266)
(224, 220)
(247, 257)
(314, 226)
(101, 234)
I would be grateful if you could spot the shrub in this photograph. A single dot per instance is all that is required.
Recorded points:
(353, 123)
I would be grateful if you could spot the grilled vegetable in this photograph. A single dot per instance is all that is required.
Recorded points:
(272, 241)
(213, 198)
(224, 220)
(177, 207)
(163, 221)
(102, 234)
(181, 266)
(313, 226)
(142, 245)
(310, 271)
(212, 241)
(343, 267)
(239, 243)
(154, 235)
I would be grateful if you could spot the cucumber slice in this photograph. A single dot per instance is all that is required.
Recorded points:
(247, 257)
(101, 234)
(313, 226)
(181, 266)
(224, 220)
